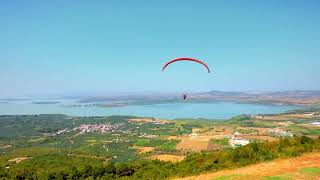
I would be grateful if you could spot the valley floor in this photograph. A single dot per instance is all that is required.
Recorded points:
(306, 166)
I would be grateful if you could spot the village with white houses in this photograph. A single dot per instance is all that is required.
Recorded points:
(200, 139)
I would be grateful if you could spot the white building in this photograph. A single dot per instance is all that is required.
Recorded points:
(236, 133)
(316, 123)
(237, 142)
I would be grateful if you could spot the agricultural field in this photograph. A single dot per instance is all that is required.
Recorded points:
(123, 138)
(58, 141)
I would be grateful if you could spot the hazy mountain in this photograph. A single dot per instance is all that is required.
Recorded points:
(280, 97)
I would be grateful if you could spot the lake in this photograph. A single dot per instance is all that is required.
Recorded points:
(219, 110)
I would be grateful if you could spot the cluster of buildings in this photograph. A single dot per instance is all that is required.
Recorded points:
(279, 133)
(59, 132)
(117, 140)
(98, 128)
(238, 142)
(150, 136)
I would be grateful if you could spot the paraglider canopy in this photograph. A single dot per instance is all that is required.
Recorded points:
(186, 59)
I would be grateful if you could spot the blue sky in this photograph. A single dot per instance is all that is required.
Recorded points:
(61, 47)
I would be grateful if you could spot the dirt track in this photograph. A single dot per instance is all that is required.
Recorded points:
(273, 168)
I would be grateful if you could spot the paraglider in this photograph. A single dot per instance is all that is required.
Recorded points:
(184, 96)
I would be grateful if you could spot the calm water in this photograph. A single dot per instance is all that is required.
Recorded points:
(222, 110)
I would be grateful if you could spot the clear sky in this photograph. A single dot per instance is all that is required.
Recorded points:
(56, 47)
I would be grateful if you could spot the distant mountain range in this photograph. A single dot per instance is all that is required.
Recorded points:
(281, 97)
(303, 98)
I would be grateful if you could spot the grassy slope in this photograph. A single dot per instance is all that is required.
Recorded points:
(306, 166)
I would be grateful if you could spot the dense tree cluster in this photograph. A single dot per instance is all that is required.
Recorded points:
(194, 163)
